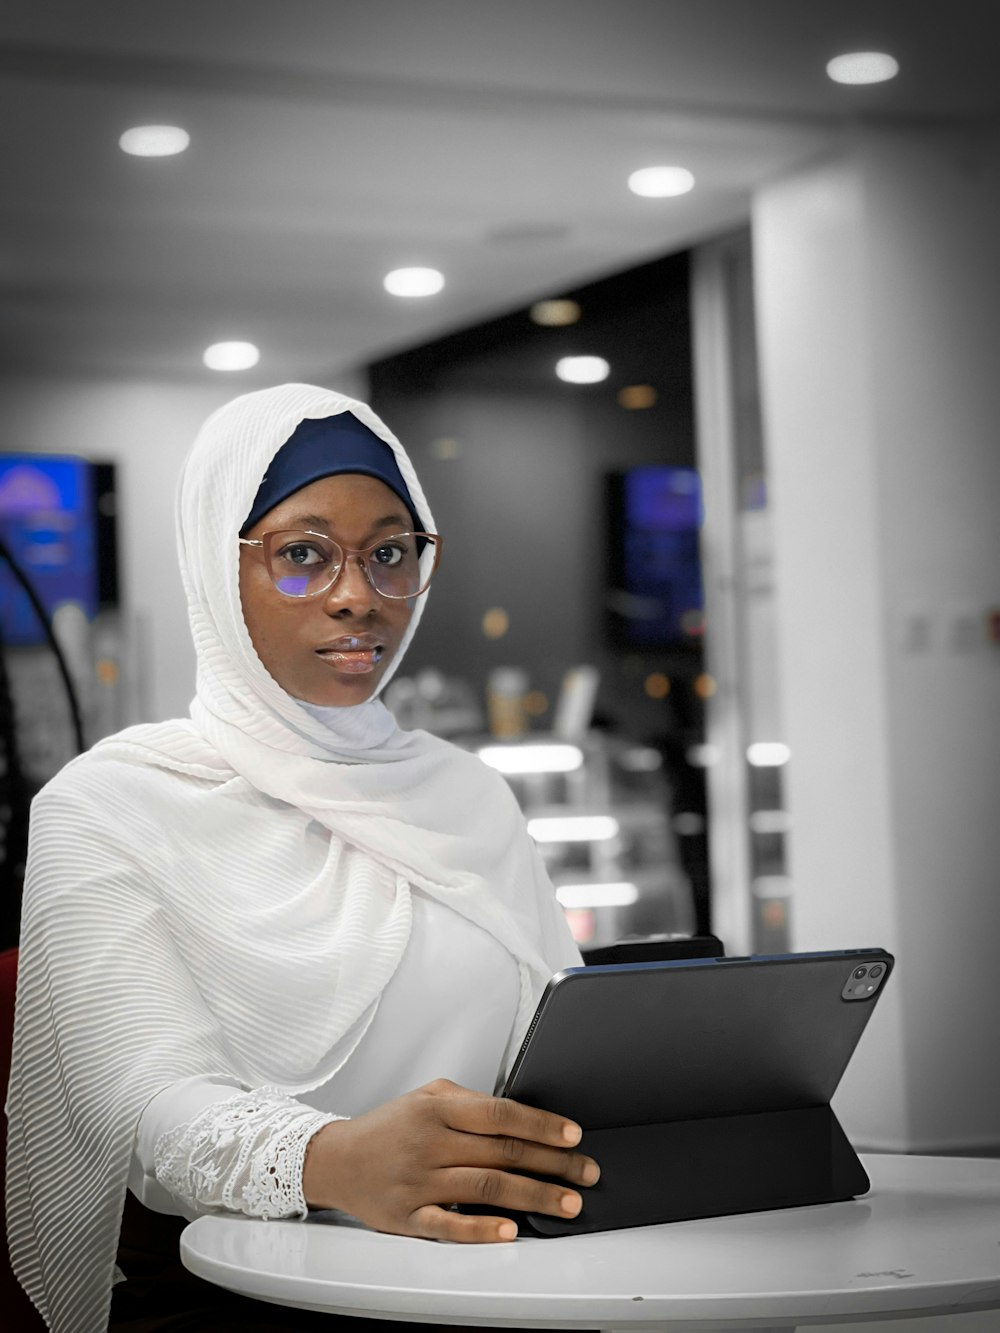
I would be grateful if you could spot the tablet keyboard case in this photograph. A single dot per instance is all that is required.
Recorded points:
(733, 1114)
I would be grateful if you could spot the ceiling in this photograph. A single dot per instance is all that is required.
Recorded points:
(333, 140)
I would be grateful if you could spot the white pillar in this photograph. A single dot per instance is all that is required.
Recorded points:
(878, 293)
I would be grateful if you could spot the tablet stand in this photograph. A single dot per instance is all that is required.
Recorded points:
(706, 1168)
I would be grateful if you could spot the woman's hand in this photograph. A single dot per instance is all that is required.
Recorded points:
(399, 1167)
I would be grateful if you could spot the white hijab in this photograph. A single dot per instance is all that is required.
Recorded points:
(97, 1037)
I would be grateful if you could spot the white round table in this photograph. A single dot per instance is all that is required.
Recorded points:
(924, 1241)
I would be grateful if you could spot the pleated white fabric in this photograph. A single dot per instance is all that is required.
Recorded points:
(229, 895)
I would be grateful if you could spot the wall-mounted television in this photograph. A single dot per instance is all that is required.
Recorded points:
(654, 592)
(57, 520)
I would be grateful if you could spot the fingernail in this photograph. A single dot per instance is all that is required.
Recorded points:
(571, 1203)
(591, 1173)
(572, 1133)
(507, 1230)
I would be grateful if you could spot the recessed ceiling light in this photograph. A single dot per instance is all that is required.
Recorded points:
(862, 67)
(496, 622)
(546, 757)
(634, 397)
(661, 182)
(413, 281)
(768, 754)
(231, 356)
(619, 893)
(554, 314)
(573, 828)
(154, 140)
(582, 369)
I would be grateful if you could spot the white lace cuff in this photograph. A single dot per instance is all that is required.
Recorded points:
(244, 1154)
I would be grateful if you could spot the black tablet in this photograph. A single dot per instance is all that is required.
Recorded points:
(703, 1085)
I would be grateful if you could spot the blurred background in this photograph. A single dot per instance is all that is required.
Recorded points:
(689, 323)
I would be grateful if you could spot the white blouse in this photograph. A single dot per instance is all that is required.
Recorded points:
(206, 1144)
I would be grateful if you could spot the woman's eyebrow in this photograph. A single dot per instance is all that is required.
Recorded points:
(316, 521)
(392, 521)
(308, 521)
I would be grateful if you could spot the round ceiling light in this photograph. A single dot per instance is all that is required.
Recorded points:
(582, 369)
(635, 397)
(555, 314)
(863, 67)
(154, 140)
(413, 282)
(231, 356)
(661, 182)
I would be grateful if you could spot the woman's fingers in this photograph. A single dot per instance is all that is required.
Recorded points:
(434, 1223)
(516, 1155)
(477, 1113)
(490, 1188)
(505, 1153)
(486, 1188)
(515, 1137)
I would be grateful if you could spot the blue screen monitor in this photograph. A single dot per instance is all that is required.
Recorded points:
(48, 521)
(655, 593)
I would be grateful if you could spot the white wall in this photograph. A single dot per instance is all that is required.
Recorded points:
(145, 428)
(877, 276)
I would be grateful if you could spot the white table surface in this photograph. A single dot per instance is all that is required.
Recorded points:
(924, 1241)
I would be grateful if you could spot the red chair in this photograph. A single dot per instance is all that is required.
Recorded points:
(19, 1315)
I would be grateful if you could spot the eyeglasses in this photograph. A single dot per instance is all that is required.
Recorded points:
(304, 564)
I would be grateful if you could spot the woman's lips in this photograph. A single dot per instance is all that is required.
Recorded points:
(355, 654)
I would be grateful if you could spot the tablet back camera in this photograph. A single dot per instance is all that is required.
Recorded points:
(864, 981)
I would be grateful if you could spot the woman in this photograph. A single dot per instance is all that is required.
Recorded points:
(277, 956)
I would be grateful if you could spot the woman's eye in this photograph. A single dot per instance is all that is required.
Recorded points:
(303, 553)
(389, 554)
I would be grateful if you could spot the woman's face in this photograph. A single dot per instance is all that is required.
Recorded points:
(334, 648)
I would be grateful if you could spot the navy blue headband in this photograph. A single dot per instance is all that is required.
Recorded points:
(325, 447)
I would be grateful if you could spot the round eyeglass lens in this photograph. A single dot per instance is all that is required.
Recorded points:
(302, 562)
(394, 566)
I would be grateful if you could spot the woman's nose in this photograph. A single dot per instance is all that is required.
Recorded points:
(352, 593)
